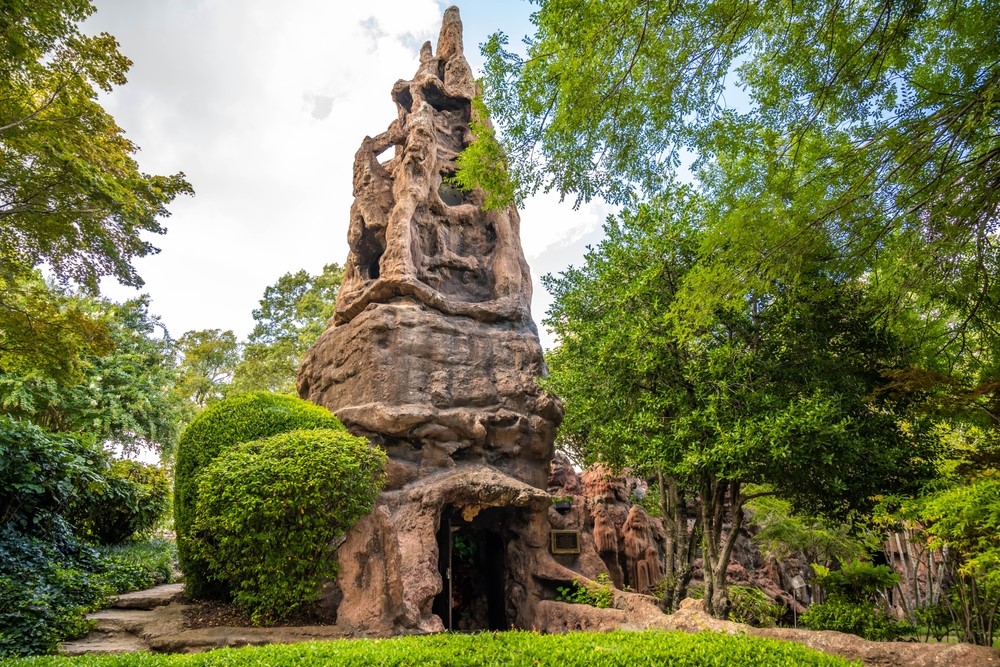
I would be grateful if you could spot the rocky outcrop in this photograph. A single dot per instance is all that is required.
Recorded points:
(432, 354)
(432, 351)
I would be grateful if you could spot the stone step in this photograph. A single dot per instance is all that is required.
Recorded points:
(158, 596)
(120, 621)
(104, 643)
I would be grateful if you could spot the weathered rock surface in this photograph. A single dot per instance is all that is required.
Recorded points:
(432, 351)
(157, 596)
(432, 354)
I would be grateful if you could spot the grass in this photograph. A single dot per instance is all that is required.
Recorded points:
(676, 649)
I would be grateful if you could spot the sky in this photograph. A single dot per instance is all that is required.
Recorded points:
(262, 105)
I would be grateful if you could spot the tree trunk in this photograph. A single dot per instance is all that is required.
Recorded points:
(680, 536)
(718, 552)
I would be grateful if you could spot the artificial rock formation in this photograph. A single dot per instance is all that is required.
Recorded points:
(432, 354)
(432, 350)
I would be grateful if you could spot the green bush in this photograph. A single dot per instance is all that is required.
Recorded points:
(578, 649)
(856, 581)
(856, 618)
(47, 585)
(132, 501)
(268, 511)
(47, 575)
(597, 594)
(220, 427)
(137, 566)
(752, 606)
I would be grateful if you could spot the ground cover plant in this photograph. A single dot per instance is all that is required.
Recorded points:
(677, 649)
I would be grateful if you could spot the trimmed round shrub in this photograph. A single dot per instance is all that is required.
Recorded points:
(134, 497)
(224, 425)
(269, 511)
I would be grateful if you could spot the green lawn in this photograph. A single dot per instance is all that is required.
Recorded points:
(676, 649)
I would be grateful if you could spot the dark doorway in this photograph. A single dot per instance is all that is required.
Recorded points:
(471, 562)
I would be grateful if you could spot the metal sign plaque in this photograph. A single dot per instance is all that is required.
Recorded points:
(565, 541)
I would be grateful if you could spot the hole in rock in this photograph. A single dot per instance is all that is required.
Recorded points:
(471, 557)
(373, 265)
(451, 195)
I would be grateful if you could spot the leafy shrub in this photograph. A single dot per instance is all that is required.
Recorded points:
(133, 499)
(47, 580)
(856, 618)
(268, 511)
(856, 581)
(752, 606)
(46, 587)
(137, 566)
(220, 427)
(41, 473)
(577, 649)
(597, 594)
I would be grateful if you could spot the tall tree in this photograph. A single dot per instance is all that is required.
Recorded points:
(292, 315)
(776, 392)
(862, 134)
(206, 360)
(121, 392)
(71, 194)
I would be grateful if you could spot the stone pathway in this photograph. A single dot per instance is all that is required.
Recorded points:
(121, 628)
(153, 620)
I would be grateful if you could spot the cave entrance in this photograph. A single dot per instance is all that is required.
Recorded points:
(471, 562)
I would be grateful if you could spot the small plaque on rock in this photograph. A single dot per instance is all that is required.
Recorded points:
(565, 541)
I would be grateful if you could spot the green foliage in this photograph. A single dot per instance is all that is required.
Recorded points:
(73, 198)
(207, 360)
(220, 427)
(781, 531)
(483, 164)
(45, 331)
(856, 581)
(752, 606)
(857, 618)
(527, 649)
(965, 518)
(292, 315)
(118, 394)
(268, 512)
(41, 474)
(859, 135)
(935, 620)
(777, 391)
(47, 584)
(133, 499)
(137, 566)
(598, 594)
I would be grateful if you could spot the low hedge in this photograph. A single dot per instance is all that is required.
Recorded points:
(677, 649)
(269, 511)
(228, 423)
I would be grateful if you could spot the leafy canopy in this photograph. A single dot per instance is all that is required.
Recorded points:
(72, 196)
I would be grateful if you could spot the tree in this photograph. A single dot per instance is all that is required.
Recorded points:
(205, 367)
(121, 392)
(861, 134)
(71, 195)
(778, 392)
(44, 330)
(292, 315)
